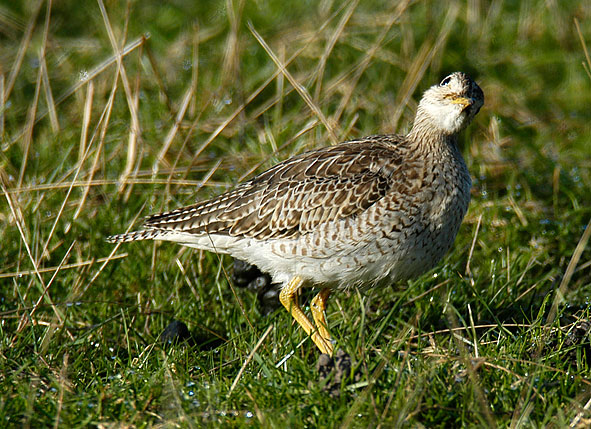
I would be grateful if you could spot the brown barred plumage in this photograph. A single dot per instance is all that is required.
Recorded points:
(383, 206)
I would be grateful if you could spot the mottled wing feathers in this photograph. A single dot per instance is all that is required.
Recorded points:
(295, 196)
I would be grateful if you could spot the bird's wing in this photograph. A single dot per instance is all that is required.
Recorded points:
(295, 196)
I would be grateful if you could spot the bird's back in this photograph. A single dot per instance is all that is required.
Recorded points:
(361, 209)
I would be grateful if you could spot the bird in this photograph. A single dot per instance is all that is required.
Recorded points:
(358, 214)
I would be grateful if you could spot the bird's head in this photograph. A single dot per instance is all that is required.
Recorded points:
(450, 106)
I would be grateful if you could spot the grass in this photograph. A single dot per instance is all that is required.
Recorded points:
(496, 335)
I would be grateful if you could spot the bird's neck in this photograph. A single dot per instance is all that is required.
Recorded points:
(424, 138)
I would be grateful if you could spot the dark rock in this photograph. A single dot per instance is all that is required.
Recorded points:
(334, 372)
(175, 333)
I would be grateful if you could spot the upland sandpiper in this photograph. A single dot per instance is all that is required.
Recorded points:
(383, 208)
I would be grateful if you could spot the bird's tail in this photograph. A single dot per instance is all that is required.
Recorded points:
(144, 234)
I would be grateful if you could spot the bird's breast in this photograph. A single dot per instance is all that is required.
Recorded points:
(430, 220)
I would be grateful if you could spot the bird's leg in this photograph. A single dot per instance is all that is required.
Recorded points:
(287, 298)
(317, 307)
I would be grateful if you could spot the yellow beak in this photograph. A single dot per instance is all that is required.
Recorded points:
(465, 102)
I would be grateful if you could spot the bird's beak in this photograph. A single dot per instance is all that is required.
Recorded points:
(463, 101)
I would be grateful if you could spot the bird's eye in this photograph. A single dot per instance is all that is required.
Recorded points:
(445, 81)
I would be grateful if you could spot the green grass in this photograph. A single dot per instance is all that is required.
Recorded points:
(498, 334)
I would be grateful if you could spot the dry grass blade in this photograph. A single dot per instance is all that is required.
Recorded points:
(250, 98)
(43, 71)
(422, 60)
(135, 131)
(319, 73)
(175, 127)
(53, 277)
(86, 121)
(45, 78)
(307, 128)
(84, 77)
(70, 188)
(585, 50)
(30, 124)
(104, 122)
(570, 269)
(559, 295)
(63, 385)
(60, 267)
(132, 146)
(236, 112)
(112, 256)
(18, 218)
(231, 60)
(471, 367)
(385, 358)
(55, 125)
(575, 421)
(298, 87)
(195, 66)
(249, 358)
(174, 411)
(468, 270)
(2, 107)
(427, 292)
(14, 71)
(105, 182)
(368, 57)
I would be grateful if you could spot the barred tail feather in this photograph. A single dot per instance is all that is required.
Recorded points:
(144, 234)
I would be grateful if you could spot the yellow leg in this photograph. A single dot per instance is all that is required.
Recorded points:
(317, 307)
(287, 298)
